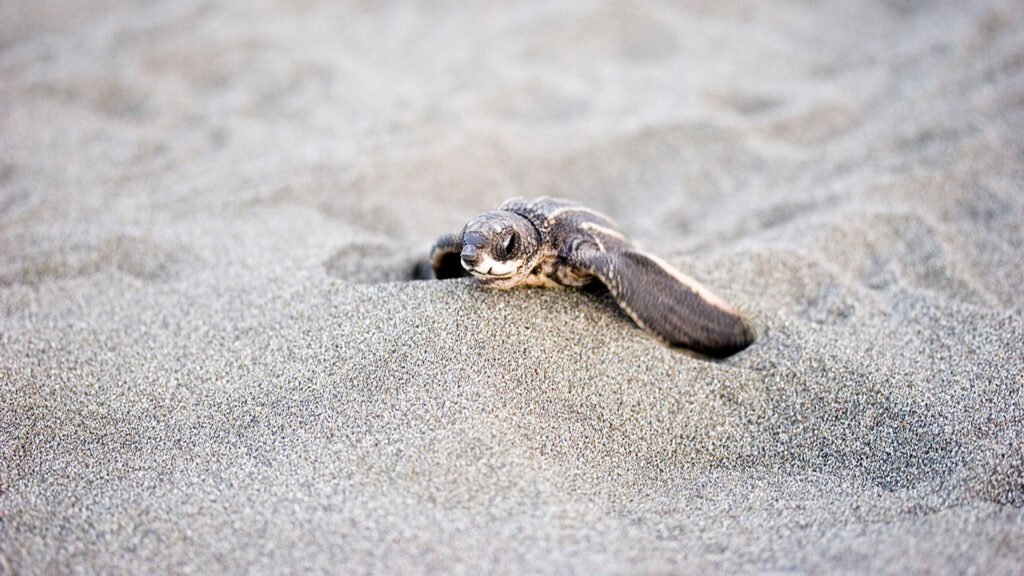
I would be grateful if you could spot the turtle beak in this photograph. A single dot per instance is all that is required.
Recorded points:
(471, 252)
(470, 257)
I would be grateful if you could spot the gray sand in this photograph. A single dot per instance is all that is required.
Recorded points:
(212, 358)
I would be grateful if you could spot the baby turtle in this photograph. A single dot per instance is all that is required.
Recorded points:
(552, 242)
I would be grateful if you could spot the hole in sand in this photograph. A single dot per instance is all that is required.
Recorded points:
(377, 262)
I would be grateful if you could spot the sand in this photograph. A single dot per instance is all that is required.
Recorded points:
(213, 358)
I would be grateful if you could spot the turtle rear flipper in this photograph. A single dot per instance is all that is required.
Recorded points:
(446, 257)
(675, 307)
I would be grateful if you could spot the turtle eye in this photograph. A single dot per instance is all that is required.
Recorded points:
(509, 244)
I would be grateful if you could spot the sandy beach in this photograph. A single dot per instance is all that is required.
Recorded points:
(214, 357)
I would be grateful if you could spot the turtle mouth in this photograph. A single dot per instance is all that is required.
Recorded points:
(489, 274)
(489, 268)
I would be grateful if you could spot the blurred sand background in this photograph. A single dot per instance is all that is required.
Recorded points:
(212, 359)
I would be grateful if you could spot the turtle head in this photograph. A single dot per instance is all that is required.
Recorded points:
(499, 248)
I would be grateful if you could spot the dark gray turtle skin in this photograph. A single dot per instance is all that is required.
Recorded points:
(552, 242)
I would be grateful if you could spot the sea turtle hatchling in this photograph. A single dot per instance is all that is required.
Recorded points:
(553, 242)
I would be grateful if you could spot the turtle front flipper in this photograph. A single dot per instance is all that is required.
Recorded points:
(446, 256)
(668, 303)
